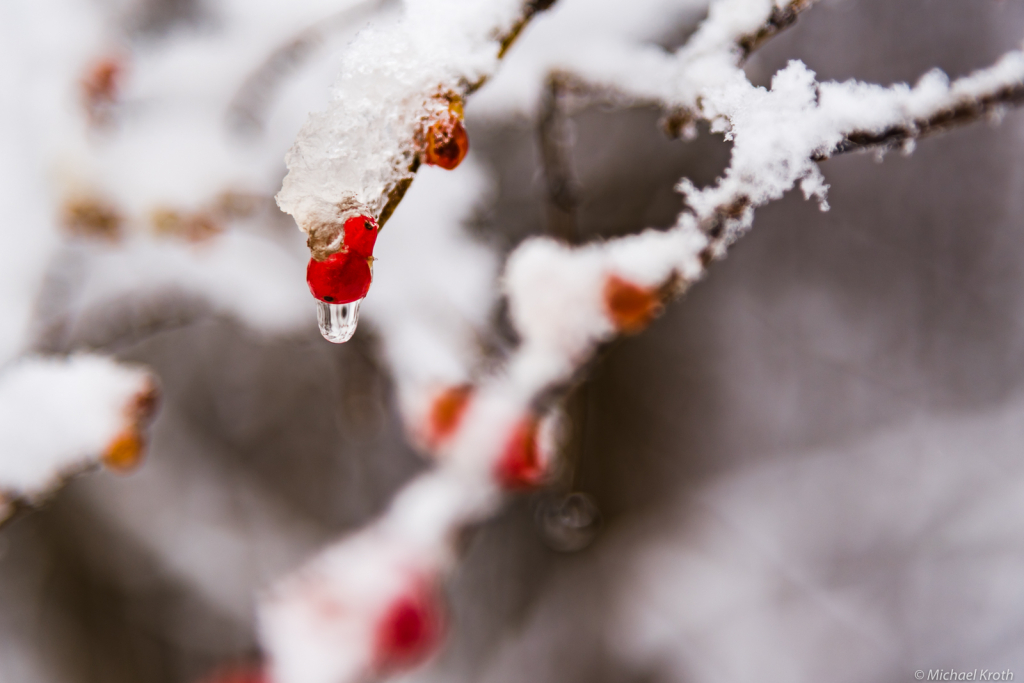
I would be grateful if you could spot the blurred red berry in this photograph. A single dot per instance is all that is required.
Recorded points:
(521, 465)
(99, 87)
(630, 306)
(446, 413)
(409, 631)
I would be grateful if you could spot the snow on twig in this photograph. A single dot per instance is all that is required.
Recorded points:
(360, 154)
(63, 415)
(779, 134)
(123, 186)
(335, 620)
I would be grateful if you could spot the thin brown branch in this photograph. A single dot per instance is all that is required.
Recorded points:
(963, 113)
(781, 18)
(680, 120)
(556, 159)
(531, 8)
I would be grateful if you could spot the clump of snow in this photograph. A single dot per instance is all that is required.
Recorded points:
(58, 415)
(606, 43)
(320, 623)
(778, 134)
(392, 79)
(556, 293)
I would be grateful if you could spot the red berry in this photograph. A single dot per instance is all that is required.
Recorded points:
(409, 631)
(361, 234)
(339, 279)
(446, 413)
(345, 277)
(521, 465)
(630, 306)
(100, 84)
(447, 143)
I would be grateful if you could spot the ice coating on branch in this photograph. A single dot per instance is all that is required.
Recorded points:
(393, 77)
(58, 415)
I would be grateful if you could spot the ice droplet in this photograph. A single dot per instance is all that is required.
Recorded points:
(568, 523)
(338, 321)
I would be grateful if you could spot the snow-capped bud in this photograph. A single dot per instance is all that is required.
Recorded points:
(127, 449)
(409, 630)
(630, 307)
(445, 414)
(366, 606)
(523, 463)
(446, 139)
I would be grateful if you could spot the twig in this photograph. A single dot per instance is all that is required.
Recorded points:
(963, 113)
(780, 19)
(556, 160)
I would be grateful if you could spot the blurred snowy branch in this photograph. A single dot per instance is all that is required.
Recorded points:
(61, 416)
(361, 607)
(124, 189)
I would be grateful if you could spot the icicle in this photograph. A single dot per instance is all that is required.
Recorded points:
(338, 321)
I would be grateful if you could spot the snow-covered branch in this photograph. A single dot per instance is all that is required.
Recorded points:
(965, 107)
(398, 84)
(64, 415)
(370, 603)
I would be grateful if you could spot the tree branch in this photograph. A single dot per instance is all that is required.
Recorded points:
(961, 114)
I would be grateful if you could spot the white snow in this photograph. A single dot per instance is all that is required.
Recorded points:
(393, 77)
(58, 415)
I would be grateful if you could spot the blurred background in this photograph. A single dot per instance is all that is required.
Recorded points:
(810, 468)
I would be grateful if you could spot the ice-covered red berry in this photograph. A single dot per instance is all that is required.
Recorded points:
(522, 465)
(345, 276)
